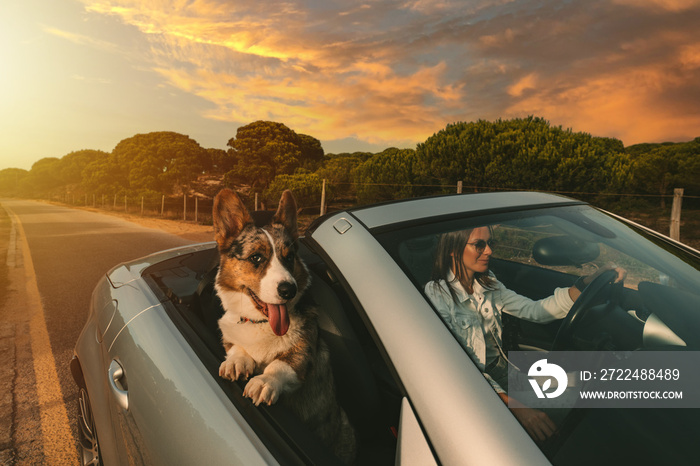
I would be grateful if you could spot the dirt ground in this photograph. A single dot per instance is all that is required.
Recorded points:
(185, 229)
(188, 230)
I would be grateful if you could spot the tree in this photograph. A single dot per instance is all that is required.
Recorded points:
(388, 175)
(42, 179)
(264, 149)
(11, 181)
(689, 167)
(305, 186)
(312, 153)
(218, 162)
(522, 153)
(459, 152)
(658, 168)
(71, 166)
(338, 171)
(161, 161)
(104, 176)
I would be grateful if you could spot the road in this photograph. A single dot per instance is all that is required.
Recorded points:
(55, 259)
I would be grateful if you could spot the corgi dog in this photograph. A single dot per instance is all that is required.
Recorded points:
(270, 334)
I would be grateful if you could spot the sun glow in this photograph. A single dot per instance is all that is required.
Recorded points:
(79, 71)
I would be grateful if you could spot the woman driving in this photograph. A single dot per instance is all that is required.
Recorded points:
(471, 300)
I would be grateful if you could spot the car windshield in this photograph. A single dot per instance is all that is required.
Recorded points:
(541, 253)
(520, 237)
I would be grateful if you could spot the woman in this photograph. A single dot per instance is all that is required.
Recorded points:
(471, 301)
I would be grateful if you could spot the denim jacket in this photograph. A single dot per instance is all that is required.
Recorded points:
(464, 320)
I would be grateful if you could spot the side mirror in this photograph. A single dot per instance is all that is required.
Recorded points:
(564, 250)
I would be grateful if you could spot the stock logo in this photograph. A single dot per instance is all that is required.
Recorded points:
(542, 368)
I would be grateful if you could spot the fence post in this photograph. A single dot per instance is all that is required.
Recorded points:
(196, 208)
(459, 187)
(115, 201)
(676, 214)
(141, 206)
(162, 205)
(184, 206)
(323, 198)
(126, 206)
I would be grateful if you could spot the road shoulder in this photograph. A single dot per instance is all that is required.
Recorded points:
(31, 371)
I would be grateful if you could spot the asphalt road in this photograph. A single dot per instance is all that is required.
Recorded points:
(69, 250)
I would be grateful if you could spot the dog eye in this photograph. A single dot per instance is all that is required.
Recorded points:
(289, 258)
(257, 259)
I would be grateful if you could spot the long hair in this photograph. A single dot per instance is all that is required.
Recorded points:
(451, 245)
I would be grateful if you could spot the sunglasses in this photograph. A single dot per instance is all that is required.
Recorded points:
(480, 245)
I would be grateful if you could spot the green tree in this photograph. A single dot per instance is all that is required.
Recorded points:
(305, 186)
(658, 168)
(218, 162)
(264, 149)
(11, 179)
(522, 153)
(71, 166)
(689, 167)
(43, 178)
(164, 161)
(391, 174)
(338, 170)
(311, 152)
(104, 176)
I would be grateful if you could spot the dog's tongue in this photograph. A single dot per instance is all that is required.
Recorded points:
(278, 317)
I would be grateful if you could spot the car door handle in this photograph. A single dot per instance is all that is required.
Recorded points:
(117, 382)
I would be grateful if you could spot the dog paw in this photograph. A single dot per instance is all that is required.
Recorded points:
(237, 367)
(262, 389)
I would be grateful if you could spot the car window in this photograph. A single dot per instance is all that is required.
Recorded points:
(537, 252)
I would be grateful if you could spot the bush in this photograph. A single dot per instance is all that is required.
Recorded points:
(306, 188)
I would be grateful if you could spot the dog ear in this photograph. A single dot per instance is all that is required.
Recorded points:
(287, 213)
(230, 216)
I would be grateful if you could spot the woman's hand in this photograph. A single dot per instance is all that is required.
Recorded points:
(536, 423)
(621, 274)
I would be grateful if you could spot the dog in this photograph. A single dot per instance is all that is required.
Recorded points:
(269, 331)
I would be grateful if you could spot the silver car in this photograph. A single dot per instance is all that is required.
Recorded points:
(147, 360)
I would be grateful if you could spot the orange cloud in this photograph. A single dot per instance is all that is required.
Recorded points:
(669, 5)
(359, 105)
(267, 67)
(526, 83)
(354, 72)
(628, 105)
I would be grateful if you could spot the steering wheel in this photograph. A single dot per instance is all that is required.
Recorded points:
(599, 288)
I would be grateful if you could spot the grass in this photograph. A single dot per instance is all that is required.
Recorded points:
(659, 219)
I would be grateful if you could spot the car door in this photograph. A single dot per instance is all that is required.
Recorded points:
(166, 406)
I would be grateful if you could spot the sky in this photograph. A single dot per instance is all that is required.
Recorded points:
(357, 75)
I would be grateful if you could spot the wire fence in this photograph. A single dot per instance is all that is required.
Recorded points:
(338, 196)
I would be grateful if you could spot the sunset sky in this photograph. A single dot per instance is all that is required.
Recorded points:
(85, 74)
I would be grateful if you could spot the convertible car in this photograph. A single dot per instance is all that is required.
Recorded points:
(147, 361)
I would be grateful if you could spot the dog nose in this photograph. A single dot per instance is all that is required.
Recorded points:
(287, 290)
